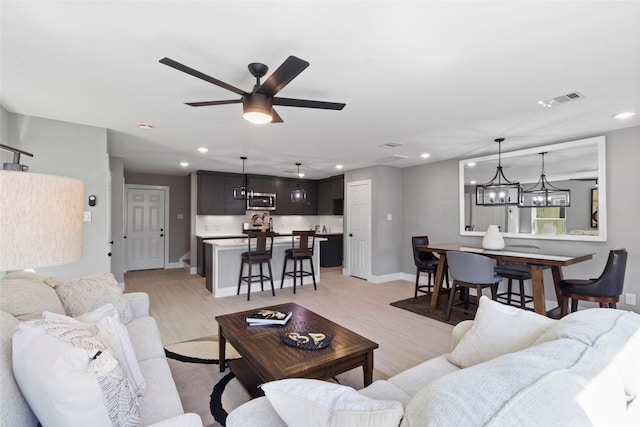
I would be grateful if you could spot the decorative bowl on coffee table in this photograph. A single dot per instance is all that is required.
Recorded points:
(306, 336)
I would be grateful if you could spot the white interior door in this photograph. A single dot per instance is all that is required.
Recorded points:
(145, 229)
(359, 228)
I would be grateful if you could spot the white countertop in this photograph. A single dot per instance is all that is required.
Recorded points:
(235, 243)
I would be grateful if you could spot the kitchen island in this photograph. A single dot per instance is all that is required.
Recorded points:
(222, 264)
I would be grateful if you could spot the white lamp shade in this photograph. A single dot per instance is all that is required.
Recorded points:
(40, 220)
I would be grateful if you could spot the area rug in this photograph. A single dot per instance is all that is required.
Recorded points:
(422, 306)
(195, 368)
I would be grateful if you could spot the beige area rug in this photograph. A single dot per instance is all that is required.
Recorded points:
(195, 369)
(210, 393)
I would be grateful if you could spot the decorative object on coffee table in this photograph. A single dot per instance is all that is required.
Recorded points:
(307, 336)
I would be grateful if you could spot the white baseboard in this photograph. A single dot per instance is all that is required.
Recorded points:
(255, 287)
(172, 265)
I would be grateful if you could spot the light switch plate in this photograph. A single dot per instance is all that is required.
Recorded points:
(86, 216)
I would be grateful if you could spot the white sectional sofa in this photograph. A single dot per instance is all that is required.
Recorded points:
(25, 296)
(508, 367)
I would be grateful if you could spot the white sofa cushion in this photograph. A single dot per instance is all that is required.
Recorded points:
(498, 329)
(70, 378)
(116, 337)
(26, 298)
(310, 403)
(88, 293)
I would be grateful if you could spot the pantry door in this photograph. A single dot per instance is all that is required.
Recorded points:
(359, 228)
(146, 232)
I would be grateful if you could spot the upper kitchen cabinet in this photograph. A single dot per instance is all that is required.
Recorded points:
(263, 183)
(231, 205)
(284, 206)
(331, 195)
(210, 194)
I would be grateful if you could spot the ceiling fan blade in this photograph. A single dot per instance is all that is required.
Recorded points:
(195, 73)
(207, 103)
(281, 77)
(275, 117)
(291, 102)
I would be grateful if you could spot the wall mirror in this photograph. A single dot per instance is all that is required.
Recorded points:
(576, 165)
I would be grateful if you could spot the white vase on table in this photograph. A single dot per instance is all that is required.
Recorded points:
(493, 239)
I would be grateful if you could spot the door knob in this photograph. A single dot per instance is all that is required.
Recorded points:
(161, 235)
(111, 242)
(109, 254)
(350, 234)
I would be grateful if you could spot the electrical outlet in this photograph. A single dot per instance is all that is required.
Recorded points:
(630, 299)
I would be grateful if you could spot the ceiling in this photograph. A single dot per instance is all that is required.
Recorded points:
(444, 78)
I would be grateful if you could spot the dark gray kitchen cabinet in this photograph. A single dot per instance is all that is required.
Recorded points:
(331, 251)
(284, 205)
(231, 205)
(330, 195)
(210, 194)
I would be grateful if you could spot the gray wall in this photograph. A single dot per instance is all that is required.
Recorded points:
(386, 198)
(118, 265)
(430, 206)
(179, 203)
(76, 151)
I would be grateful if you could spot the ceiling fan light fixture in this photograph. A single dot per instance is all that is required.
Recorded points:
(257, 108)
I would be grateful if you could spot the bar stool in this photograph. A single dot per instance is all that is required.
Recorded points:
(260, 247)
(426, 262)
(302, 244)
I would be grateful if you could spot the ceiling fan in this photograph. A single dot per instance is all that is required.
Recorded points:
(258, 104)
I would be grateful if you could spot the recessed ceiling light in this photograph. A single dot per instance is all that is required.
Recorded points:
(184, 164)
(472, 182)
(425, 155)
(470, 165)
(144, 126)
(625, 115)
(339, 166)
(301, 175)
(203, 149)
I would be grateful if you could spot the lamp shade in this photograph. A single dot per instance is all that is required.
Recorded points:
(40, 220)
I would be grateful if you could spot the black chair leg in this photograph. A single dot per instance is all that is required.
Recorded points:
(249, 283)
(522, 296)
(452, 296)
(240, 276)
(574, 305)
(284, 269)
(273, 291)
(295, 275)
(261, 278)
(417, 282)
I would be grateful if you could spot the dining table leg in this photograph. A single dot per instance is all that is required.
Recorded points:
(556, 270)
(537, 283)
(437, 284)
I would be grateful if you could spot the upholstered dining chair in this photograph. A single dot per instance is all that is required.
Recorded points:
(470, 270)
(426, 262)
(605, 290)
(302, 244)
(260, 248)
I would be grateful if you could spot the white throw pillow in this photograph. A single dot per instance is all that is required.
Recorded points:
(315, 403)
(498, 329)
(69, 377)
(84, 294)
(115, 335)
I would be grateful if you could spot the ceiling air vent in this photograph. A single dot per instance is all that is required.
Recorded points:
(390, 145)
(562, 99)
(573, 96)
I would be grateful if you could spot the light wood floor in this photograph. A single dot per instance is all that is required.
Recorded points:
(185, 310)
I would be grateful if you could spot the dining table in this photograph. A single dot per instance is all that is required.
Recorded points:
(537, 259)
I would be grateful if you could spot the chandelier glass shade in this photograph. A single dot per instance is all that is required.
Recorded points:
(298, 195)
(499, 191)
(243, 192)
(544, 194)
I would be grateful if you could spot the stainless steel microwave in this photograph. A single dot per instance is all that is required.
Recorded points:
(262, 202)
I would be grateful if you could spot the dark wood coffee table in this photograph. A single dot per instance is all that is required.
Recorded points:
(266, 358)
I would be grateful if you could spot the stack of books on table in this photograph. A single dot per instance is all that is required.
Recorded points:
(268, 317)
